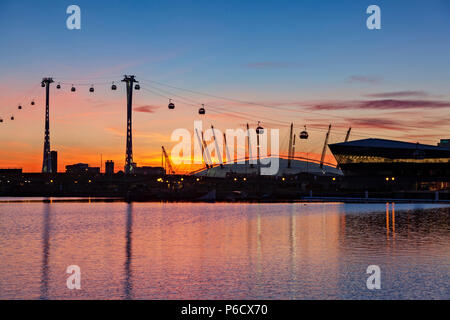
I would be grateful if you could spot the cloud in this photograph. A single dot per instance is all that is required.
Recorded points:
(398, 94)
(421, 136)
(399, 124)
(376, 123)
(368, 79)
(270, 65)
(88, 114)
(151, 136)
(403, 104)
(146, 109)
(383, 104)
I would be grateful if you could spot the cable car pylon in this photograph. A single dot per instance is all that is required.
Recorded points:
(47, 161)
(129, 80)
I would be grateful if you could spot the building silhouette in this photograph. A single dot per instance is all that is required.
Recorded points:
(82, 168)
(148, 171)
(54, 161)
(109, 167)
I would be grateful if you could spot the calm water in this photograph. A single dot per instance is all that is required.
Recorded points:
(223, 251)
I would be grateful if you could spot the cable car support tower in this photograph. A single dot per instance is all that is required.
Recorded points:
(47, 162)
(129, 80)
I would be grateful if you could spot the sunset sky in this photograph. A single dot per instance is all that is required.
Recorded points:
(308, 62)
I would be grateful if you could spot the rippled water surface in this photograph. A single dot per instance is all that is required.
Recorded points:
(223, 251)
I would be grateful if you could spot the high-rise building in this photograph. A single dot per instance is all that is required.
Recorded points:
(54, 161)
(109, 167)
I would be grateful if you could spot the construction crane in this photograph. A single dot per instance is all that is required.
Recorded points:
(168, 162)
(324, 151)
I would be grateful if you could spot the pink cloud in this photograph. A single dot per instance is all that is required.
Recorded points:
(384, 104)
(146, 109)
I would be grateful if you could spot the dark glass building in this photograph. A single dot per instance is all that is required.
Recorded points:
(409, 165)
(54, 161)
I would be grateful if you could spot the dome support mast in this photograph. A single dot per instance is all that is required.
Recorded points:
(290, 146)
(325, 145)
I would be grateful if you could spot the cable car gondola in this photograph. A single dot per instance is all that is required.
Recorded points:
(32, 103)
(202, 110)
(73, 89)
(1, 120)
(113, 87)
(19, 107)
(137, 87)
(42, 84)
(304, 134)
(58, 86)
(259, 129)
(12, 117)
(171, 105)
(91, 89)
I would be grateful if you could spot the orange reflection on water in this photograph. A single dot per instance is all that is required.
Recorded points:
(393, 219)
(387, 219)
(201, 251)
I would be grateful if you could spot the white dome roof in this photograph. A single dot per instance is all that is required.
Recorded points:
(297, 166)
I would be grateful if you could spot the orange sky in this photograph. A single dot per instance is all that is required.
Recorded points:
(85, 126)
(313, 65)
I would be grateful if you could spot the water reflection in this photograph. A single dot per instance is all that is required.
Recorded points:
(400, 227)
(128, 285)
(293, 250)
(393, 219)
(390, 209)
(258, 243)
(387, 220)
(45, 268)
(223, 251)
